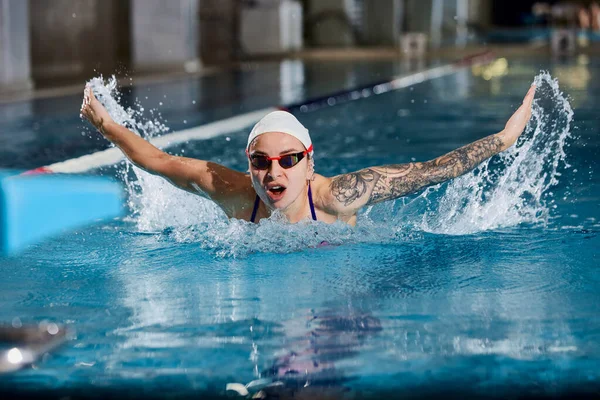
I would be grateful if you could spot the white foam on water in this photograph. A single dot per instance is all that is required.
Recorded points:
(158, 205)
(161, 208)
(511, 189)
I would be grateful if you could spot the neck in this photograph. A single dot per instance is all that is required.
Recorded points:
(299, 209)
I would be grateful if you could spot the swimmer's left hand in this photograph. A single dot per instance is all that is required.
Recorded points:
(517, 123)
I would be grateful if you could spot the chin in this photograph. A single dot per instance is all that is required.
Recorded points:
(280, 205)
(279, 202)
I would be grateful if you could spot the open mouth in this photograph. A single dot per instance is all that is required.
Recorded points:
(276, 192)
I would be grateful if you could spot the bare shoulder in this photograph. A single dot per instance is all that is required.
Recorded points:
(235, 194)
(229, 189)
(321, 190)
(325, 200)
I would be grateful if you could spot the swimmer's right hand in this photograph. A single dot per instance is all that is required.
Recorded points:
(93, 110)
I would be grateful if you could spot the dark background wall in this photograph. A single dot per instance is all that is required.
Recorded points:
(511, 12)
(74, 38)
(218, 31)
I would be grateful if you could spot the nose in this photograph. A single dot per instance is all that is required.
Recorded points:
(275, 169)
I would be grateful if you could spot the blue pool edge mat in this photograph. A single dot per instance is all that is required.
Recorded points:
(34, 207)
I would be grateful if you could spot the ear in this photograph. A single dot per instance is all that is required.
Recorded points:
(311, 169)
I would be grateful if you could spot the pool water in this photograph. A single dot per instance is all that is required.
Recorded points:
(484, 286)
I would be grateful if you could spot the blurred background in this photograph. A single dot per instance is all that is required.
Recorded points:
(51, 43)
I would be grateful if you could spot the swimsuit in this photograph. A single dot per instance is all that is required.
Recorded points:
(310, 202)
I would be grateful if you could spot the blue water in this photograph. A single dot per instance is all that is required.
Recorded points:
(482, 286)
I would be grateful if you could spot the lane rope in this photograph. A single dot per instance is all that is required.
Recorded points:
(113, 155)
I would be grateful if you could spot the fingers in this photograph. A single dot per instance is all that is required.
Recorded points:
(527, 102)
(91, 95)
(83, 103)
(529, 99)
(530, 95)
(88, 96)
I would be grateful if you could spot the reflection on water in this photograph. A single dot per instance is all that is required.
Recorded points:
(349, 316)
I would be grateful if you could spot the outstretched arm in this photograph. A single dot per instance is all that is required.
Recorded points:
(349, 192)
(211, 180)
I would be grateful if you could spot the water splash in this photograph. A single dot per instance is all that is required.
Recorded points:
(187, 218)
(151, 199)
(511, 189)
(508, 190)
(108, 94)
(160, 208)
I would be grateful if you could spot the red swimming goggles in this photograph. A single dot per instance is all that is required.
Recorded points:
(286, 161)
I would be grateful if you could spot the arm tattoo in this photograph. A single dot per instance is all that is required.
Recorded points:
(393, 181)
(350, 187)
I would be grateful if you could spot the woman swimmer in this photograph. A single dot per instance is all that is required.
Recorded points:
(282, 177)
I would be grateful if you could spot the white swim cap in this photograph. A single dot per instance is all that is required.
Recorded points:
(281, 121)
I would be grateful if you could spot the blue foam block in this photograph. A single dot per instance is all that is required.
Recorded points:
(33, 207)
